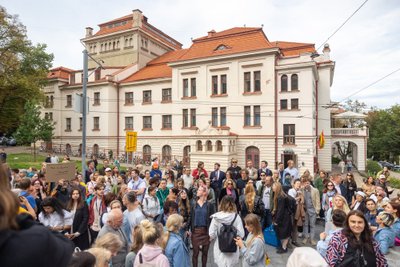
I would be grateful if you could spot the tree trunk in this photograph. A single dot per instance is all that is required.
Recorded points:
(34, 151)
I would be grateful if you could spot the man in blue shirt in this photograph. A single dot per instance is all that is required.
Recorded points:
(26, 187)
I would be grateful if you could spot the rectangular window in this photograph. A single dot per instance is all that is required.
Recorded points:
(167, 121)
(166, 95)
(68, 124)
(192, 117)
(46, 116)
(96, 98)
(80, 124)
(128, 123)
(223, 84)
(185, 118)
(69, 101)
(214, 82)
(147, 122)
(185, 87)
(257, 116)
(247, 82)
(223, 116)
(257, 81)
(214, 117)
(289, 133)
(193, 87)
(129, 98)
(247, 116)
(96, 123)
(294, 103)
(72, 78)
(147, 97)
(284, 104)
(51, 116)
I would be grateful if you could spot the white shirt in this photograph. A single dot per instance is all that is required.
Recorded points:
(266, 197)
(137, 185)
(54, 219)
(188, 180)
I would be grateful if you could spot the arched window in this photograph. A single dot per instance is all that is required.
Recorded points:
(147, 153)
(68, 149)
(218, 145)
(186, 156)
(96, 150)
(209, 145)
(284, 83)
(294, 82)
(199, 145)
(253, 154)
(166, 153)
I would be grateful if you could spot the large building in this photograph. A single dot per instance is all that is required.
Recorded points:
(231, 94)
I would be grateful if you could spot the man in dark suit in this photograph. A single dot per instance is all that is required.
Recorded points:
(340, 188)
(264, 168)
(217, 177)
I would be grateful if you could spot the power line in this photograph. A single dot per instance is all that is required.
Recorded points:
(342, 24)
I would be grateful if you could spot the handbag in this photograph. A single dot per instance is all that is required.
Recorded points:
(270, 237)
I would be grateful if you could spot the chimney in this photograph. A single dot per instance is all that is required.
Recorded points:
(137, 18)
(89, 31)
(211, 33)
(326, 52)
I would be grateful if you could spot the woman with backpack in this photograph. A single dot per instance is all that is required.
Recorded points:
(281, 217)
(225, 226)
(253, 249)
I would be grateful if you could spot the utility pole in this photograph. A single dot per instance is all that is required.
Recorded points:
(84, 113)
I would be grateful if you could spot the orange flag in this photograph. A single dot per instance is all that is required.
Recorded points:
(321, 140)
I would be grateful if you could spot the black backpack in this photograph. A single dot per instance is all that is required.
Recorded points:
(226, 236)
(292, 204)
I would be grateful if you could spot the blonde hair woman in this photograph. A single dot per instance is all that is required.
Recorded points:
(102, 255)
(339, 202)
(150, 253)
(227, 215)
(109, 241)
(174, 247)
(251, 203)
(253, 250)
(230, 190)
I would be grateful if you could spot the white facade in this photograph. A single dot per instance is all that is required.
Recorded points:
(257, 125)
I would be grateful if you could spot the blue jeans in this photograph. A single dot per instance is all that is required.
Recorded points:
(267, 220)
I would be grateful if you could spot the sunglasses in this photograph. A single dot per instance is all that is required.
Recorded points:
(229, 184)
(262, 175)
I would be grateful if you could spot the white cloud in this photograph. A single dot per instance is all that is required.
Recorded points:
(365, 49)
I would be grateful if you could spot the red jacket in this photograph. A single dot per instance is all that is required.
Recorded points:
(91, 209)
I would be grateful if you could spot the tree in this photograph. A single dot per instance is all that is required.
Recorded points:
(357, 107)
(384, 133)
(23, 70)
(33, 127)
(345, 149)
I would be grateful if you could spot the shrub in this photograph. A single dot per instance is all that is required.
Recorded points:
(373, 167)
(335, 160)
(394, 182)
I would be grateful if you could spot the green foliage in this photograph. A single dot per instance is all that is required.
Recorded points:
(32, 127)
(394, 182)
(335, 160)
(373, 167)
(384, 133)
(23, 70)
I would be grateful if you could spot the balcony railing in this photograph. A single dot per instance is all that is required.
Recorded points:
(349, 131)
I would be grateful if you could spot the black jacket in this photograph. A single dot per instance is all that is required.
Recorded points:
(33, 245)
(80, 224)
(210, 211)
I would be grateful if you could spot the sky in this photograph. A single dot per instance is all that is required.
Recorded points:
(365, 50)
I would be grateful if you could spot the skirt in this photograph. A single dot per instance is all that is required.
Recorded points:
(200, 237)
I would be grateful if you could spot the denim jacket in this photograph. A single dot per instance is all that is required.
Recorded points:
(396, 227)
(176, 251)
(385, 237)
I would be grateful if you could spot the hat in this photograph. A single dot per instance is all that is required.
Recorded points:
(361, 193)
(301, 256)
(373, 197)
(382, 176)
(155, 165)
(107, 170)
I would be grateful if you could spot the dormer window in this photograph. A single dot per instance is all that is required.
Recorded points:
(221, 47)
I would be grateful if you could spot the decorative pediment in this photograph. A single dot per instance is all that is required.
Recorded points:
(209, 130)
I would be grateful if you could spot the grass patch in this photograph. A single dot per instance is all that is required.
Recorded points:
(394, 182)
(25, 160)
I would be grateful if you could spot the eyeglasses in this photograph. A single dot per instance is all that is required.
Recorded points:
(262, 175)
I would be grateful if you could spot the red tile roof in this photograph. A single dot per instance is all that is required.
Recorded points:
(126, 23)
(59, 72)
(156, 68)
(293, 48)
(236, 40)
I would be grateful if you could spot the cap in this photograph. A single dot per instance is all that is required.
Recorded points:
(382, 176)
(361, 193)
(107, 169)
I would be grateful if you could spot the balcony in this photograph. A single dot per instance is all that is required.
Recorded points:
(362, 132)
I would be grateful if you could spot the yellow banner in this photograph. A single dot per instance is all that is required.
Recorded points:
(131, 141)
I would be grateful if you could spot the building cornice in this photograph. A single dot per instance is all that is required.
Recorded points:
(159, 80)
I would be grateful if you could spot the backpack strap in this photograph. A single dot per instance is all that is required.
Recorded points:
(140, 258)
(234, 219)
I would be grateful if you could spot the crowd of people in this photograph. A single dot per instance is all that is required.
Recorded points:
(153, 217)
